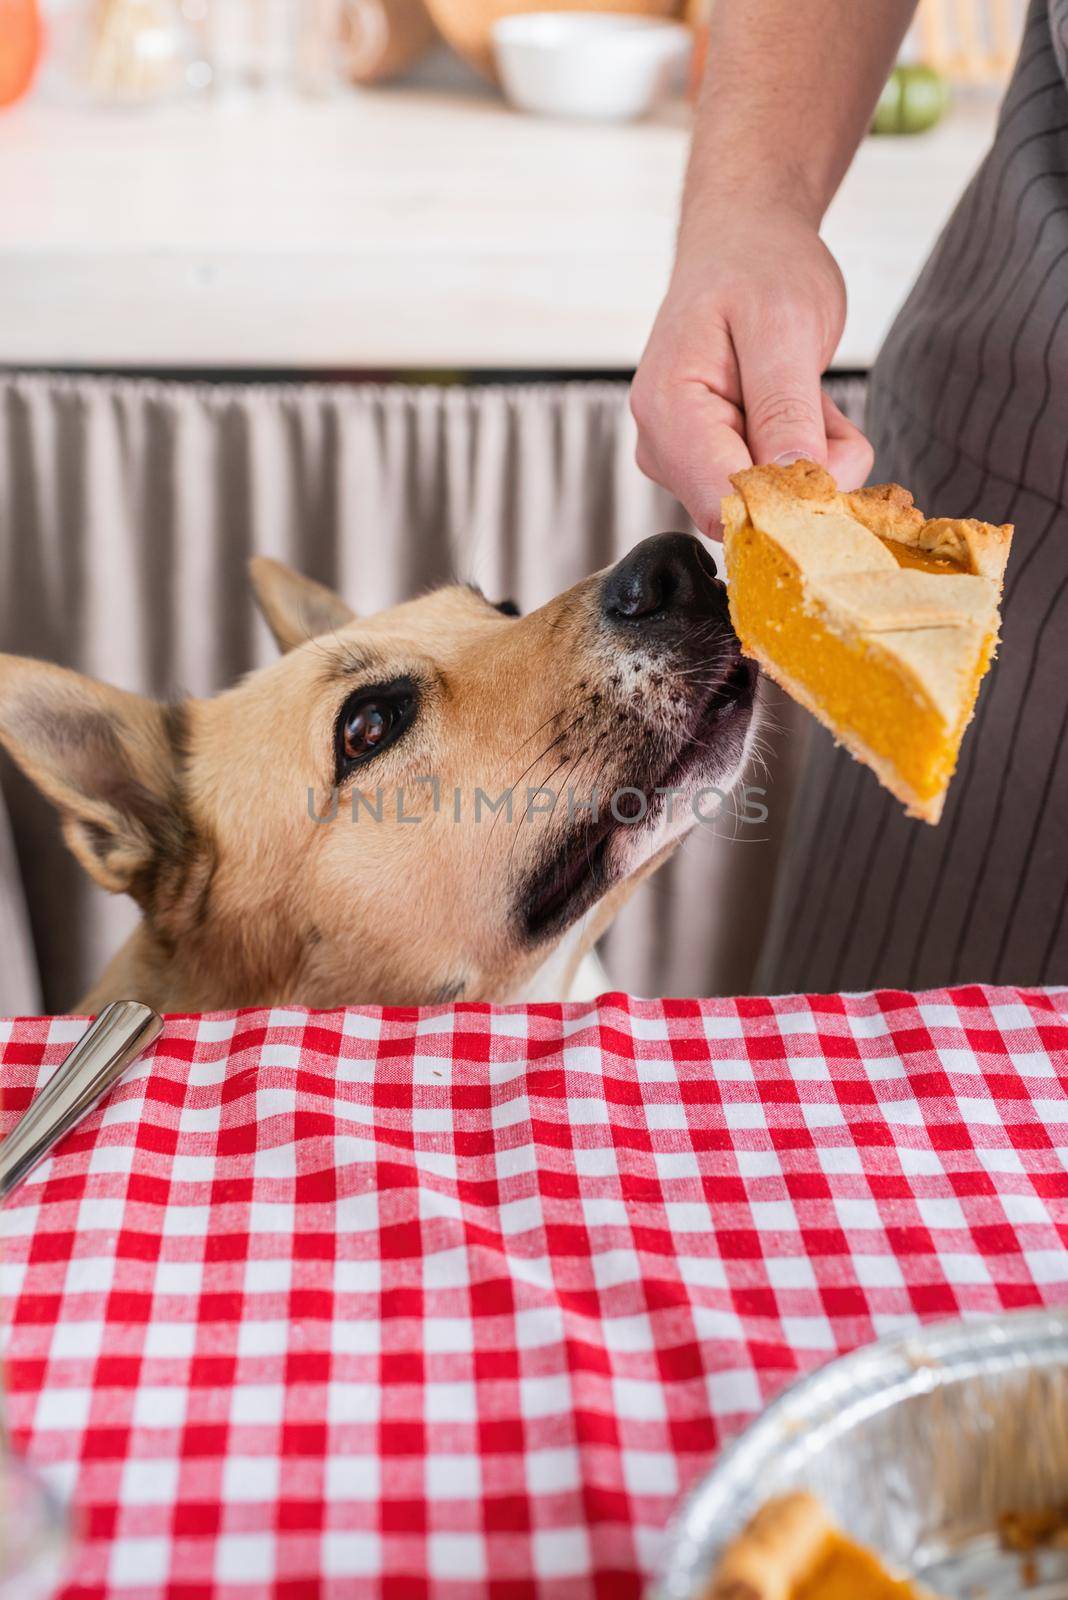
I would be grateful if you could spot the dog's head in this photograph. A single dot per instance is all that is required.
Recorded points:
(412, 807)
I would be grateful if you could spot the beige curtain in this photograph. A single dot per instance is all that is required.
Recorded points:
(128, 509)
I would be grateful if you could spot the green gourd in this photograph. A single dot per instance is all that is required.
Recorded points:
(914, 99)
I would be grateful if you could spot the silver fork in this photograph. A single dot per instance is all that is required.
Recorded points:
(108, 1046)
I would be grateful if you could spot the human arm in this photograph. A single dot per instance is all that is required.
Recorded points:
(756, 302)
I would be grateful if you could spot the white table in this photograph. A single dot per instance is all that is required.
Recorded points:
(394, 228)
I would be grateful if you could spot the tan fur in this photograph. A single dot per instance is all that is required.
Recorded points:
(201, 812)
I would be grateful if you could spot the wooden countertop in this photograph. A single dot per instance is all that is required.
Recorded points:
(394, 228)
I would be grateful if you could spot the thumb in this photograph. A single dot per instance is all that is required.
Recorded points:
(781, 398)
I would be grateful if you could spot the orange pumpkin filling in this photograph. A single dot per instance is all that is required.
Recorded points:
(856, 684)
(847, 1571)
(882, 624)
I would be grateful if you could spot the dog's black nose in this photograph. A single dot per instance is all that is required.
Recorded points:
(665, 579)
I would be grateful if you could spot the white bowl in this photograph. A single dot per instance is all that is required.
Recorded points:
(600, 65)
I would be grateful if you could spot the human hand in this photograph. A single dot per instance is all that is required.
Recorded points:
(731, 373)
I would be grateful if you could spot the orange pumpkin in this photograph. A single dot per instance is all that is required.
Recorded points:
(20, 47)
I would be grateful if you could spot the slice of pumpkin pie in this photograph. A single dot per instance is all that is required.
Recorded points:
(877, 620)
(791, 1550)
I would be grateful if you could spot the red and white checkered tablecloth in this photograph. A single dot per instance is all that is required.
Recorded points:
(454, 1303)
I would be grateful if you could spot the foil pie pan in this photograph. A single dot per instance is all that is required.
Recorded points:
(916, 1445)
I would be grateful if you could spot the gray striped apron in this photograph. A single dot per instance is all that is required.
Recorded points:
(968, 408)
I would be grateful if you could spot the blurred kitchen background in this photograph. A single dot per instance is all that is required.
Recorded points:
(360, 284)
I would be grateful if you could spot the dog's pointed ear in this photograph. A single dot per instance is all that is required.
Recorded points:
(107, 760)
(295, 608)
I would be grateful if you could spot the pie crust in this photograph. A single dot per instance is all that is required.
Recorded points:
(792, 1550)
(878, 620)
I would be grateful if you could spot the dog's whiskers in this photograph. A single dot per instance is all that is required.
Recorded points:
(510, 791)
(531, 736)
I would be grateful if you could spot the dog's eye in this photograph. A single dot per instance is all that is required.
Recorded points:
(366, 727)
(371, 719)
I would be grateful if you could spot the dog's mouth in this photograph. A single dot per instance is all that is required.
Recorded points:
(574, 878)
(723, 713)
(586, 864)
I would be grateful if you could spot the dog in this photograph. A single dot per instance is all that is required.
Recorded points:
(445, 801)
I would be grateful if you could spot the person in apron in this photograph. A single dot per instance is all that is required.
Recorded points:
(968, 408)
